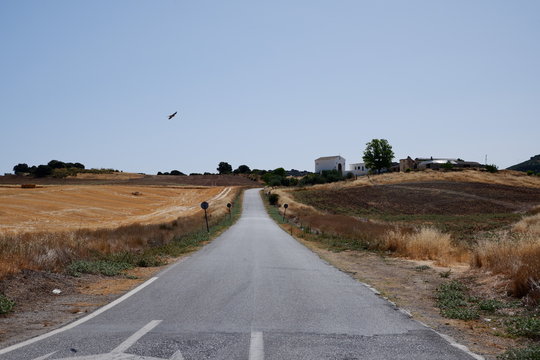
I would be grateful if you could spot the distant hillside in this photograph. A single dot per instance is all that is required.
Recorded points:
(533, 164)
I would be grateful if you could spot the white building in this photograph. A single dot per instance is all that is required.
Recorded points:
(330, 163)
(358, 169)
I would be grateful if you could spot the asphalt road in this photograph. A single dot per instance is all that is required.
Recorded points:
(254, 293)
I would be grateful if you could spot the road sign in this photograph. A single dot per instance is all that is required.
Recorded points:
(204, 206)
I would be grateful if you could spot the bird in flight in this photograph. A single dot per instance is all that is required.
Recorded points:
(172, 115)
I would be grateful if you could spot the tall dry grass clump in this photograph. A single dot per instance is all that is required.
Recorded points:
(424, 244)
(529, 225)
(516, 256)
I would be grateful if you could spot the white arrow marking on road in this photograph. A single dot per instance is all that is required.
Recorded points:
(133, 338)
(256, 347)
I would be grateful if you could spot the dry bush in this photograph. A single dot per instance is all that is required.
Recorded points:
(517, 257)
(424, 244)
(529, 225)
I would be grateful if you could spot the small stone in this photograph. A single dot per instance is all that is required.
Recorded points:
(56, 291)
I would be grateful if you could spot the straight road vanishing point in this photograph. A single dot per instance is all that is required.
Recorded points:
(253, 293)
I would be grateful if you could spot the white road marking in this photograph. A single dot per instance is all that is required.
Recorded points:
(177, 356)
(45, 356)
(80, 321)
(133, 338)
(256, 347)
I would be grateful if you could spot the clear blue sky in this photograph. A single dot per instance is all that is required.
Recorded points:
(267, 84)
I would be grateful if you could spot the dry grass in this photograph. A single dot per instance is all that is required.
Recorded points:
(52, 251)
(504, 177)
(424, 244)
(517, 256)
(529, 225)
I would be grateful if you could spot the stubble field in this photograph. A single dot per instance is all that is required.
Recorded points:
(74, 207)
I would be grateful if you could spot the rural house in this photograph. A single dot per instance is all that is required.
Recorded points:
(329, 163)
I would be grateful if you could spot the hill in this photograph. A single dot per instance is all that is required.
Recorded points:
(530, 165)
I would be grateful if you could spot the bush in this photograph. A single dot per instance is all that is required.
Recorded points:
(492, 168)
(529, 353)
(273, 199)
(528, 326)
(6, 304)
(104, 267)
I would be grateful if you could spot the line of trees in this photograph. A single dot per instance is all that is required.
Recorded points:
(51, 168)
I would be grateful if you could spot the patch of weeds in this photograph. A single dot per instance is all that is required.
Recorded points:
(490, 305)
(451, 301)
(527, 326)
(529, 353)
(132, 277)
(445, 274)
(103, 267)
(6, 304)
(422, 267)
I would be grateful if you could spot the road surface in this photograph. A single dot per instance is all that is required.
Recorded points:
(254, 293)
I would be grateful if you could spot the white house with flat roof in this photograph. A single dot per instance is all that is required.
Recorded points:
(330, 163)
(358, 169)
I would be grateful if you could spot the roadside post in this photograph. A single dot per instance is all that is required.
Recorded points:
(229, 208)
(285, 212)
(204, 206)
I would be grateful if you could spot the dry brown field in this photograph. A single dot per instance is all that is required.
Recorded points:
(74, 207)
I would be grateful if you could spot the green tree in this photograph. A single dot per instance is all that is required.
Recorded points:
(378, 155)
(21, 168)
(43, 171)
(224, 168)
(242, 169)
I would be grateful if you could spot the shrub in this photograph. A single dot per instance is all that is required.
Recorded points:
(529, 353)
(104, 267)
(273, 199)
(451, 301)
(6, 304)
(490, 305)
(527, 326)
(492, 168)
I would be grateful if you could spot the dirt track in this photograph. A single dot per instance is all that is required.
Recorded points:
(59, 208)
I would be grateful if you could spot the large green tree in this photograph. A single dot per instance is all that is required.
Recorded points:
(378, 155)
(224, 168)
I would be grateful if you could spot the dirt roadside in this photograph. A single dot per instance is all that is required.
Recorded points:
(38, 310)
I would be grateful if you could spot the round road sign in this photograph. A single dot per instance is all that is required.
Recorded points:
(285, 205)
(229, 205)
(204, 205)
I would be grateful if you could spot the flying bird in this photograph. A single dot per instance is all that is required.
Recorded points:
(172, 115)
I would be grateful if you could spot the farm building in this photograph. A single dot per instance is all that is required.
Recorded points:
(435, 163)
(358, 169)
(329, 163)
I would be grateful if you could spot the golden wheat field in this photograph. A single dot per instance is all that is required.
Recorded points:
(72, 207)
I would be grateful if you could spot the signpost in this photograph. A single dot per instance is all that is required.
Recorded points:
(204, 206)
(229, 208)
(285, 212)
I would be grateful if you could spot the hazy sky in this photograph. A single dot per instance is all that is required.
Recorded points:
(267, 84)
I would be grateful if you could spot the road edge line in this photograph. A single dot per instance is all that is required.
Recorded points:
(80, 321)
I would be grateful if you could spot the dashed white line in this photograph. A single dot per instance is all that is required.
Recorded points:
(133, 338)
(256, 347)
(80, 321)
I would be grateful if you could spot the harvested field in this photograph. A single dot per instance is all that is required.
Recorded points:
(450, 198)
(461, 208)
(65, 208)
(133, 180)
